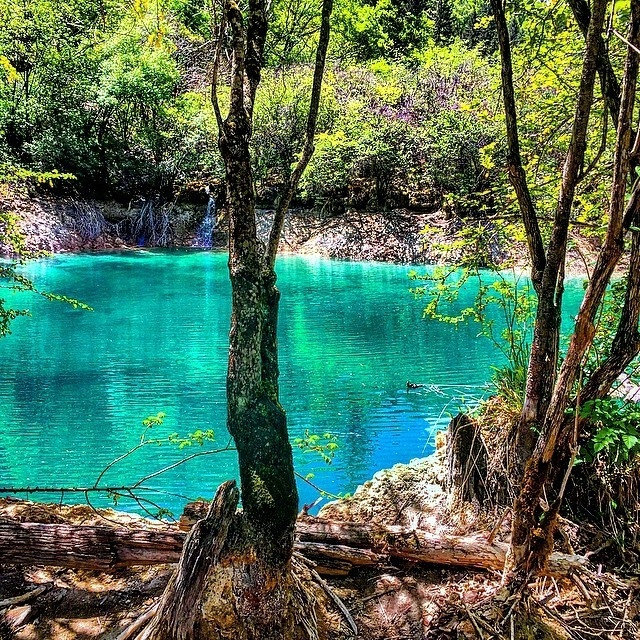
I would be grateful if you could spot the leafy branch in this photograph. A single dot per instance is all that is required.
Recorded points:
(324, 445)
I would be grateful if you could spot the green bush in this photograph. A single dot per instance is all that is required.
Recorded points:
(615, 434)
(403, 136)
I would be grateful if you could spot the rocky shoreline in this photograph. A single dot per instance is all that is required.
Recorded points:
(65, 224)
(60, 225)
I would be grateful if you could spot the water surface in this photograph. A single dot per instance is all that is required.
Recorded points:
(75, 385)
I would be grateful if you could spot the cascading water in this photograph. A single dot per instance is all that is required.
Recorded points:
(204, 234)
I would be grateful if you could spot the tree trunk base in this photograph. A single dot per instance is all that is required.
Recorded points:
(481, 458)
(222, 589)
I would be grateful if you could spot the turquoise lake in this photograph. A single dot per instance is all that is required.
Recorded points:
(76, 385)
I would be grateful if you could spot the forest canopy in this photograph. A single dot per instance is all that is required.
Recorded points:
(117, 94)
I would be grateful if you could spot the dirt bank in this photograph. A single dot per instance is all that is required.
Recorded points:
(61, 225)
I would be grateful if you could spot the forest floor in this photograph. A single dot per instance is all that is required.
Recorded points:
(399, 601)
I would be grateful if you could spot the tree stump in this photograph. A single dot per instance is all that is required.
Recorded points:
(180, 613)
(466, 461)
(223, 588)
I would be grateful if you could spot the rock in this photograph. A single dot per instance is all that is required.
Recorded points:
(406, 494)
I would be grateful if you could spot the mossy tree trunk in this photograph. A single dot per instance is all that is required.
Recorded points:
(240, 563)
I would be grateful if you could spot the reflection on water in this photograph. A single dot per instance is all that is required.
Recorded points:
(75, 385)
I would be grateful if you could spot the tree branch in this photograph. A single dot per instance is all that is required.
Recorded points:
(256, 37)
(308, 148)
(236, 22)
(609, 85)
(216, 69)
(517, 174)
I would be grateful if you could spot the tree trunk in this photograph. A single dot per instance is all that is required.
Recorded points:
(626, 341)
(466, 461)
(533, 526)
(245, 590)
(179, 614)
(517, 175)
(609, 85)
(545, 345)
(544, 349)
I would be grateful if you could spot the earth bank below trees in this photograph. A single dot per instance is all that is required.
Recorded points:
(403, 236)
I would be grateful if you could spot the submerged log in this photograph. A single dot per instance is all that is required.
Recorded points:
(334, 546)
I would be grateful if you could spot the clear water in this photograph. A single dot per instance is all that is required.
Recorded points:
(75, 385)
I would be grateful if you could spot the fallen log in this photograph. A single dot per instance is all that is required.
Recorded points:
(416, 545)
(86, 547)
(335, 547)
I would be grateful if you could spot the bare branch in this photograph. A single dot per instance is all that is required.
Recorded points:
(180, 462)
(216, 69)
(308, 148)
(517, 174)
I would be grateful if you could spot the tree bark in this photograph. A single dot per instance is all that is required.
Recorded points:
(179, 614)
(532, 527)
(244, 590)
(544, 347)
(517, 175)
(336, 548)
(626, 341)
(547, 266)
(609, 85)
(257, 571)
(466, 461)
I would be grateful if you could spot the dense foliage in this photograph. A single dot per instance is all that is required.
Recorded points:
(118, 95)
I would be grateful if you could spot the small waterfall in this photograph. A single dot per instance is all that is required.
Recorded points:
(204, 234)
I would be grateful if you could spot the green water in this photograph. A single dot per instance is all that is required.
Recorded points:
(75, 385)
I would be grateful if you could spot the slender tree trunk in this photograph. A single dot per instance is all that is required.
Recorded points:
(517, 174)
(609, 85)
(626, 341)
(307, 150)
(532, 528)
(545, 345)
(543, 360)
